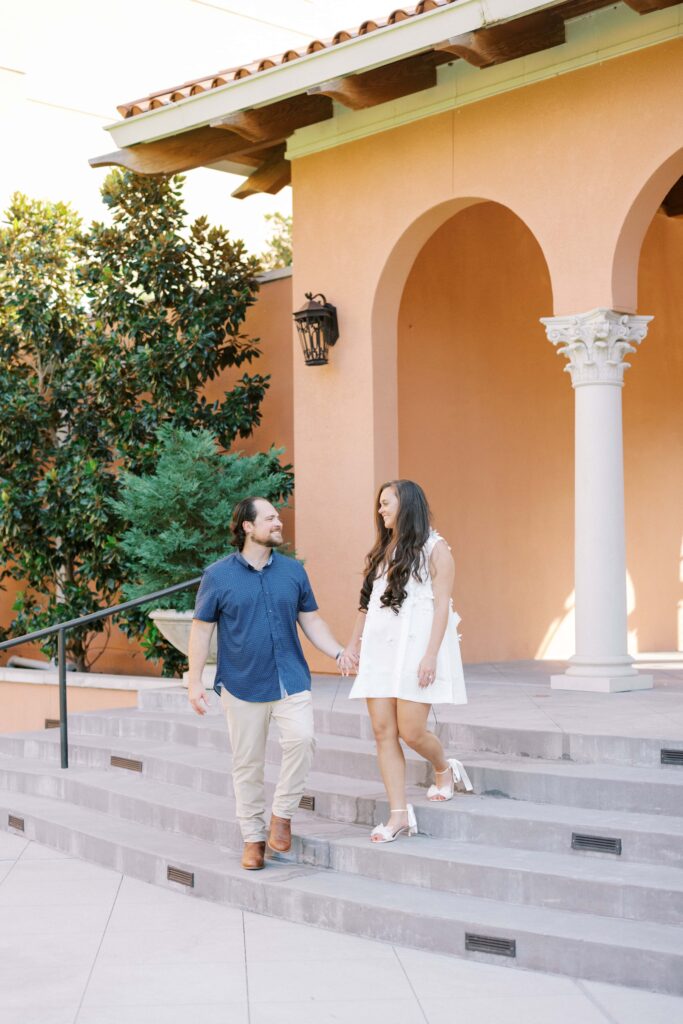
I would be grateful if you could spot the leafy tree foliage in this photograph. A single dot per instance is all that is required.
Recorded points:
(180, 515)
(278, 251)
(105, 336)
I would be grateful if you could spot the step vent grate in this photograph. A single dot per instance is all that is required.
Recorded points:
(126, 762)
(601, 844)
(307, 803)
(52, 723)
(180, 876)
(490, 944)
(671, 756)
(15, 822)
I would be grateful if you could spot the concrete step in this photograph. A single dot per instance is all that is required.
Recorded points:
(600, 786)
(202, 770)
(350, 718)
(569, 881)
(608, 787)
(590, 946)
(353, 758)
(519, 824)
(524, 825)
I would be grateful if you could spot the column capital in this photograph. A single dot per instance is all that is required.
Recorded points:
(595, 343)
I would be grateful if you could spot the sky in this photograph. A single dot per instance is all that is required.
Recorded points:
(66, 64)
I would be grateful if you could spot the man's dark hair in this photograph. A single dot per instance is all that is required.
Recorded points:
(243, 512)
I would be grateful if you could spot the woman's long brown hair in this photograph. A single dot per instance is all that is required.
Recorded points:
(407, 539)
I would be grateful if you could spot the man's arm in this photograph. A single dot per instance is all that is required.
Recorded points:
(319, 633)
(198, 652)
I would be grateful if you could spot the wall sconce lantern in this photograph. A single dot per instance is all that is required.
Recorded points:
(316, 323)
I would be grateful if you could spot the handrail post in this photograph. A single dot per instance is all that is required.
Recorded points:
(62, 628)
(61, 666)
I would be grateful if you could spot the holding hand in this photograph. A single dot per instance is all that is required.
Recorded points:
(348, 661)
(426, 672)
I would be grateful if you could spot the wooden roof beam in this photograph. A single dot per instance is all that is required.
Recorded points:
(389, 82)
(648, 6)
(277, 120)
(270, 177)
(497, 44)
(183, 152)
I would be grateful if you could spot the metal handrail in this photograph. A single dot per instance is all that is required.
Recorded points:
(61, 628)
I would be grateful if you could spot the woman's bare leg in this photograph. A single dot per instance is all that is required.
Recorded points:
(390, 757)
(412, 728)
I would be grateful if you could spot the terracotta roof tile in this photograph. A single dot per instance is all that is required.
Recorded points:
(165, 96)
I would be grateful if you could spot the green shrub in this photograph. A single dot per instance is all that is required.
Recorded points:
(180, 515)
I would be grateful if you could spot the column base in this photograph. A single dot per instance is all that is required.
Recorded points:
(602, 684)
(208, 677)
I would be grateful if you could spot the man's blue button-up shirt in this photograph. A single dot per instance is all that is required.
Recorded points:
(259, 652)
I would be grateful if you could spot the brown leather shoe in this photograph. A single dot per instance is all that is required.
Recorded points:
(253, 856)
(280, 838)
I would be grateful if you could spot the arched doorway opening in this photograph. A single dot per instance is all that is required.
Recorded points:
(653, 419)
(485, 424)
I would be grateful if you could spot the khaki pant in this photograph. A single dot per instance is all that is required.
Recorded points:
(248, 724)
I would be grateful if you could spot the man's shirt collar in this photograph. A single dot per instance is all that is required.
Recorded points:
(242, 560)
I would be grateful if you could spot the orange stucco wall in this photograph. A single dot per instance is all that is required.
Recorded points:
(653, 444)
(270, 321)
(583, 160)
(486, 426)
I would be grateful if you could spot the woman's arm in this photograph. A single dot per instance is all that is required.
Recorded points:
(442, 571)
(351, 653)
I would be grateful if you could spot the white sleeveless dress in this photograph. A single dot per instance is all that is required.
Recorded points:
(393, 645)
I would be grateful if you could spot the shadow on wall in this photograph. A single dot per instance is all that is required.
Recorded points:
(558, 642)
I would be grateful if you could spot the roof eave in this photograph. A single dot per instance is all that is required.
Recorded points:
(362, 53)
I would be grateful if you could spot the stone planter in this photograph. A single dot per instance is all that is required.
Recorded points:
(175, 627)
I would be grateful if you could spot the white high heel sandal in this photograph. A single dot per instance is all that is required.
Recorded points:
(385, 835)
(459, 782)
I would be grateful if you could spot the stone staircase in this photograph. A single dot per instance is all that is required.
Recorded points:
(568, 858)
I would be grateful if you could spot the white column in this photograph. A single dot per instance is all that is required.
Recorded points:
(595, 343)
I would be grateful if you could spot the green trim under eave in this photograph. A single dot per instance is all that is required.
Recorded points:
(592, 39)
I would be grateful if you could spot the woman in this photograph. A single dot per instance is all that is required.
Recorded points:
(409, 657)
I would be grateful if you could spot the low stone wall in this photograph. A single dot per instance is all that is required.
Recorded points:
(30, 697)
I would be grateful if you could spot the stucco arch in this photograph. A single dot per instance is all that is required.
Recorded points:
(402, 251)
(636, 222)
(405, 247)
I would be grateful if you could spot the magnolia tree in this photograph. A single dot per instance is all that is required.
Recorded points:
(106, 335)
(278, 252)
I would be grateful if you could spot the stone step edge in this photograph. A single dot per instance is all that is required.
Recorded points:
(548, 733)
(326, 785)
(310, 848)
(370, 803)
(188, 717)
(474, 760)
(563, 742)
(645, 956)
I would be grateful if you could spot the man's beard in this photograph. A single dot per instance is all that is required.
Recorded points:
(272, 543)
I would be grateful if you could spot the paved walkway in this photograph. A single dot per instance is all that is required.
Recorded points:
(81, 944)
(517, 695)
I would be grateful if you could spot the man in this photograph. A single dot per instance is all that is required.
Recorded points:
(257, 596)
